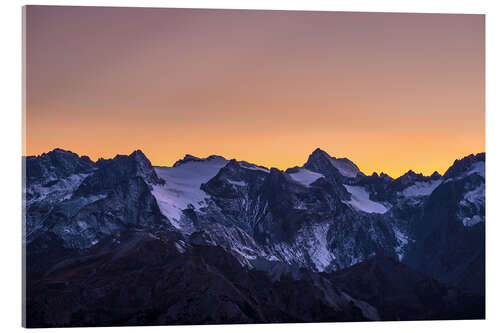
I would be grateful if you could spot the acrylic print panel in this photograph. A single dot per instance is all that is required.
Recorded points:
(173, 174)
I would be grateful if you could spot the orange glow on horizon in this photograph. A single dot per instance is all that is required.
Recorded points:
(391, 92)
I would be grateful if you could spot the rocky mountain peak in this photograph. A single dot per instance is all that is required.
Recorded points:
(190, 158)
(58, 163)
(435, 175)
(322, 162)
(410, 177)
(138, 155)
(112, 172)
(187, 158)
(466, 164)
(385, 176)
(144, 167)
(318, 155)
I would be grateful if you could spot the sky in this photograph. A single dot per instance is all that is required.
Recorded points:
(391, 92)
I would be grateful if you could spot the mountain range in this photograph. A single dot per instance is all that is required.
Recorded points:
(210, 240)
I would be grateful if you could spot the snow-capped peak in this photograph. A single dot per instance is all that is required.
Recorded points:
(471, 164)
(360, 200)
(320, 161)
(190, 158)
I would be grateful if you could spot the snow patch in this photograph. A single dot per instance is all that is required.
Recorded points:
(237, 183)
(82, 224)
(317, 247)
(402, 240)
(420, 189)
(345, 168)
(476, 196)
(253, 167)
(310, 246)
(469, 222)
(473, 201)
(182, 186)
(62, 190)
(305, 177)
(477, 167)
(360, 200)
(180, 247)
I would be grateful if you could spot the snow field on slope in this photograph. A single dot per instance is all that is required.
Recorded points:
(305, 177)
(360, 200)
(344, 168)
(182, 186)
(420, 189)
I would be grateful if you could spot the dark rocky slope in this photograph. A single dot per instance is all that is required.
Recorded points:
(141, 279)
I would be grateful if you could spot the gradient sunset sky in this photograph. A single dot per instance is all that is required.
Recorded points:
(388, 91)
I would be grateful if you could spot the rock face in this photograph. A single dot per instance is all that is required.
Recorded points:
(321, 162)
(55, 165)
(313, 228)
(450, 236)
(115, 195)
(381, 279)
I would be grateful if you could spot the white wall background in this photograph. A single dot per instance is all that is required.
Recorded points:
(10, 156)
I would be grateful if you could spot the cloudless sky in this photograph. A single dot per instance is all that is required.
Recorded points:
(388, 91)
